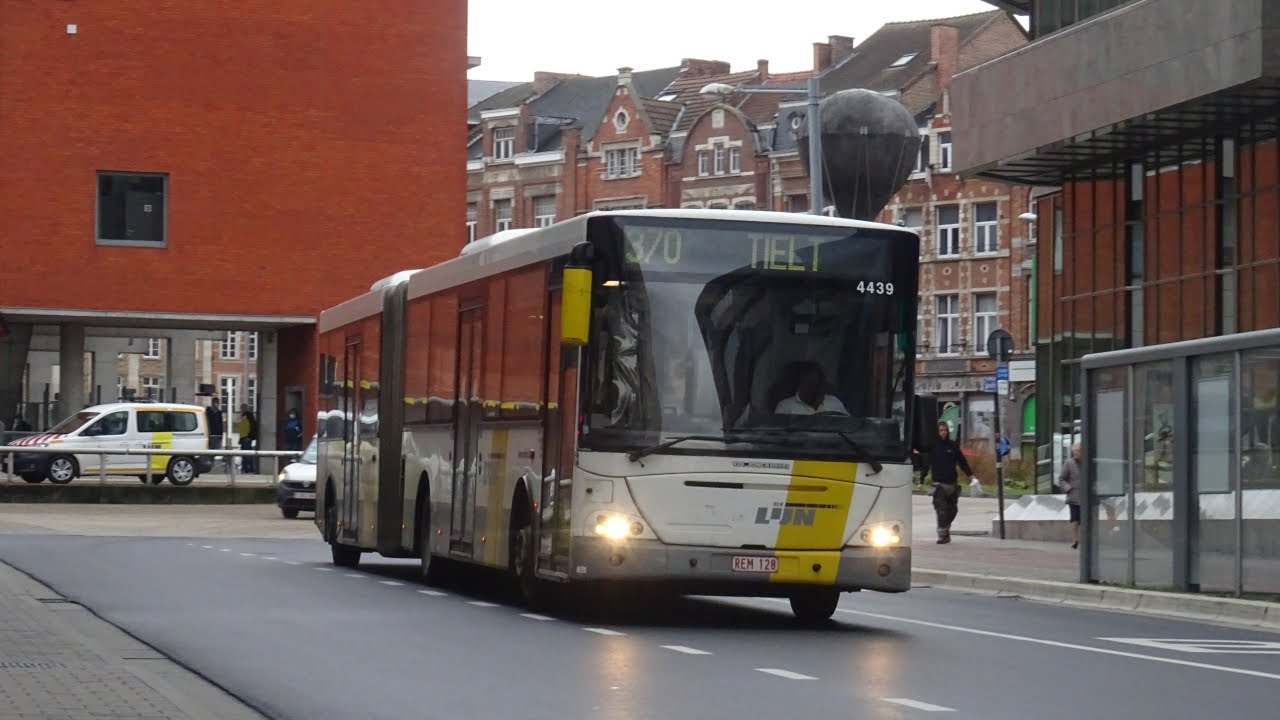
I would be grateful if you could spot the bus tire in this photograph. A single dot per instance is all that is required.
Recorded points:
(522, 554)
(343, 555)
(432, 567)
(816, 605)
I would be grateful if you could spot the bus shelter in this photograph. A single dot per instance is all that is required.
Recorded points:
(1181, 456)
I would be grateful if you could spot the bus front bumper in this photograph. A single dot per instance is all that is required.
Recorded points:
(716, 570)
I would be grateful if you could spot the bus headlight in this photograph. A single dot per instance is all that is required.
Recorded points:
(613, 526)
(882, 535)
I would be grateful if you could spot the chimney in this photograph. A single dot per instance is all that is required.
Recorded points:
(624, 75)
(945, 52)
(841, 47)
(762, 69)
(692, 67)
(544, 81)
(821, 56)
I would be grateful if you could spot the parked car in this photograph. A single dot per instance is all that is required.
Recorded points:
(296, 484)
(166, 427)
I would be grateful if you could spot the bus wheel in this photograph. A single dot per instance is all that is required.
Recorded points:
(432, 570)
(815, 606)
(522, 557)
(343, 555)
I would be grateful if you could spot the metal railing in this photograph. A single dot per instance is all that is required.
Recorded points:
(10, 452)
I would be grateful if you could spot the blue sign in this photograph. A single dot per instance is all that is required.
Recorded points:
(1002, 372)
(988, 385)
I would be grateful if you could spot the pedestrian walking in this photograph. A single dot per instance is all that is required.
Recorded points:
(216, 425)
(941, 463)
(1069, 480)
(293, 431)
(247, 428)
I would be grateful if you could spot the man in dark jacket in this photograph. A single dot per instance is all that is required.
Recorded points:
(213, 418)
(941, 463)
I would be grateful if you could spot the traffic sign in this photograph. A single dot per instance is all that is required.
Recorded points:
(1002, 372)
(988, 385)
(1002, 387)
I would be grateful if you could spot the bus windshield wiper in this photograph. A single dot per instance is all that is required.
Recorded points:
(635, 455)
(858, 450)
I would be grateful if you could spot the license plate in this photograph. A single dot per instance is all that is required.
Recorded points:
(305, 496)
(743, 563)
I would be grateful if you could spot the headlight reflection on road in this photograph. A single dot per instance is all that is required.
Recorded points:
(619, 679)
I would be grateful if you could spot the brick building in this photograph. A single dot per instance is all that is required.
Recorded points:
(294, 174)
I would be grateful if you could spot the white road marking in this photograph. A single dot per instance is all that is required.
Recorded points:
(390, 582)
(191, 544)
(323, 569)
(785, 674)
(246, 554)
(1055, 643)
(432, 593)
(686, 650)
(481, 603)
(603, 631)
(534, 616)
(270, 558)
(916, 704)
(1223, 647)
(207, 547)
(292, 562)
(224, 549)
(358, 575)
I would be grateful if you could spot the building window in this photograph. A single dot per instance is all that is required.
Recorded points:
(903, 60)
(735, 160)
(251, 392)
(719, 158)
(744, 205)
(622, 162)
(947, 332)
(986, 233)
(501, 215)
(131, 208)
(948, 230)
(153, 348)
(544, 211)
(251, 339)
(797, 203)
(119, 387)
(922, 157)
(704, 163)
(150, 387)
(913, 219)
(504, 143)
(471, 222)
(984, 318)
(944, 151)
(230, 346)
(227, 389)
(718, 205)
(1057, 239)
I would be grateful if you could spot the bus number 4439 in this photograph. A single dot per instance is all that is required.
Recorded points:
(875, 288)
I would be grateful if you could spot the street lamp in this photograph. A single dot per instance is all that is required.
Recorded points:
(814, 95)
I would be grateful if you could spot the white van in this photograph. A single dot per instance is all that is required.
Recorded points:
(134, 426)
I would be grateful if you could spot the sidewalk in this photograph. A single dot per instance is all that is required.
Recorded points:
(60, 662)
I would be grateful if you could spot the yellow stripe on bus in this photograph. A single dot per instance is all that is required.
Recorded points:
(496, 475)
(814, 519)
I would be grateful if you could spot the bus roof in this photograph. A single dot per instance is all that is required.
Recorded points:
(510, 250)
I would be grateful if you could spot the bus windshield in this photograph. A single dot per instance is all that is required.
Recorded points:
(773, 338)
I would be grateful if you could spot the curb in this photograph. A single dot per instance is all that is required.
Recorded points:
(137, 494)
(1252, 613)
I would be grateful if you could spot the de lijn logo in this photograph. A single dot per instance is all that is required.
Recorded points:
(802, 514)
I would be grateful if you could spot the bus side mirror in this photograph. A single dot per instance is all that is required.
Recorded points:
(924, 423)
(575, 306)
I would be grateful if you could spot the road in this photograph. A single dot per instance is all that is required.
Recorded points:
(275, 624)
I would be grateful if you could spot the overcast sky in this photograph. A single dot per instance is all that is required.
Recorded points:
(516, 37)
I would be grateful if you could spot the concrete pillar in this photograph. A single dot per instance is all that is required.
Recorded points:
(180, 367)
(14, 345)
(71, 370)
(268, 393)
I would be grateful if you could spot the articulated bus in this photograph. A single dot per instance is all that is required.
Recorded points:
(710, 402)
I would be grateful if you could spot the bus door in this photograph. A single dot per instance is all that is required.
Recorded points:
(559, 436)
(466, 429)
(350, 497)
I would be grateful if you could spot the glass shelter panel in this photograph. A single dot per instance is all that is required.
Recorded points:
(1109, 475)
(1213, 457)
(1260, 471)
(1153, 441)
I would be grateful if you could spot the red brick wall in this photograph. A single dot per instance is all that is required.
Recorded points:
(296, 364)
(649, 184)
(1002, 36)
(300, 138)
(687, 186)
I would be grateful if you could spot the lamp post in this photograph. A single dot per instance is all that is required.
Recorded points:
(813, 92)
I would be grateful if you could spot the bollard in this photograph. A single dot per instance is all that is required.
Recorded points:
(102, 468)
(148, 469)
(8, 470)
(231, 469)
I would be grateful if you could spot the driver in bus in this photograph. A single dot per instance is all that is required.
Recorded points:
(810, 398)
